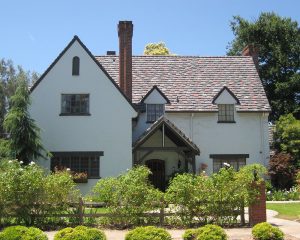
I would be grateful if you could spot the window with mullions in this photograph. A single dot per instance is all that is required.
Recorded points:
(84, 162)
(75, 104)
(226, 113)
(236, 163)
(154, 111)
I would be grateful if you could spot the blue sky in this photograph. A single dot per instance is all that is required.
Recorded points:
(35, 32)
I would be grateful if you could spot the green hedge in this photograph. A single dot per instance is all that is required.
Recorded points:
(148, 233)
(22, 233)
(208, 232)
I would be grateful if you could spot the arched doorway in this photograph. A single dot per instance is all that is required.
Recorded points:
(157, 178)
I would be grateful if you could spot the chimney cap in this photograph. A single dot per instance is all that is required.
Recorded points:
(111, 53)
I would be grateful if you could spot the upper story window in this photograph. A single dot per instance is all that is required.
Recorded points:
(154, 111)
(75, 66)
(226, 113)
(75, 104)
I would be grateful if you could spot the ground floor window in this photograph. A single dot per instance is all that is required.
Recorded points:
(78, 162)
(234, 160)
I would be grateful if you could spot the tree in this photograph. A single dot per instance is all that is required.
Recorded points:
(24, 138)
(159, 48)
(287, 137)
(9, 76)
(278, 41)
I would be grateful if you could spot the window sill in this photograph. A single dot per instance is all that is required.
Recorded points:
(74, 114)
(226, 122)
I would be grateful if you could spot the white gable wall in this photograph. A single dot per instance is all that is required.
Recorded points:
(108, 129)
(225, 98)
(155, 98)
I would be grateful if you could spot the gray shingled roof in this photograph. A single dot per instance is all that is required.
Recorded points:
(194, 81)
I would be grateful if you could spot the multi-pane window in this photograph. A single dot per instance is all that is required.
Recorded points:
(75, 66)
(236, 163)
(79, 163)
(75, 104)
(154, 111)
(226, 113)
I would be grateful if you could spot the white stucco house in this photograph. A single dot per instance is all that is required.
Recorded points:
(104, 114)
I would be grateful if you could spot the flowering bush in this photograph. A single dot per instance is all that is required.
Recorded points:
(265, 231)
(81, 177)
(26, 191)
(284, 195)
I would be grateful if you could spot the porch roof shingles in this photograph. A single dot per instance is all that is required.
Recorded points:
(156, 125)
(194, 81)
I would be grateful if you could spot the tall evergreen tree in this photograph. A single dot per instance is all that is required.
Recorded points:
(278, 41)
(24, 134)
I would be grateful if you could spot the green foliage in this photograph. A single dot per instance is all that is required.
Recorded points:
(211, 231)
(25, 141)
(278, 40)
(287, 136)
(284, 195)
(128, 196)
(5, 152)
(9, 77)
(199, 199)
(159, 48)
(190, 234)
(80, 233)
(148, 233)
(265, 231)
(22, 233)
(26, 191)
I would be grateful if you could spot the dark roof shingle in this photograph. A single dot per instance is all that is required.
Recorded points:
(191, 83)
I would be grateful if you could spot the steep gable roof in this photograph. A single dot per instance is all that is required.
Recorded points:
(155, 88)
(230, 92)
(76, 38)
(191, 83)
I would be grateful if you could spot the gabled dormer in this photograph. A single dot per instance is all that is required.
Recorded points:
(226, 101)
(155, 101)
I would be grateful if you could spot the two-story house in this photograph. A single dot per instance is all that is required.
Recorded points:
(103, 114)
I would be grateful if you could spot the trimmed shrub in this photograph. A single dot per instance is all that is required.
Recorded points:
(22, 233)
(190, 234)
(80, 233)
(148, 233)
(265, 231)
(211, 231)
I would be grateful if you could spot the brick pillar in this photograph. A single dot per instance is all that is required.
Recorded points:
(258, 210)
(125, 32)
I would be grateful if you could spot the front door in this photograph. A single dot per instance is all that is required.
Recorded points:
(157, 178)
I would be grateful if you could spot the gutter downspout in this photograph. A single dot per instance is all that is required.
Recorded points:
(262, 140)
(191, 126)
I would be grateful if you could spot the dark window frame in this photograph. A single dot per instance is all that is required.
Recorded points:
(70, 106)
(157, 111)
(75, 66)
(226, 113)
(235, 160)
(78, 162)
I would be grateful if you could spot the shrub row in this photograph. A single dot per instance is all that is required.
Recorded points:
(261, 231)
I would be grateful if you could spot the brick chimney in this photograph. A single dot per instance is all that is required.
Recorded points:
(125, 32)
(251, 50)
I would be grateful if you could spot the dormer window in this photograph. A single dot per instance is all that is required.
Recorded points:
(226, 101)
(75, 66)
(226, 113)
(154, 111)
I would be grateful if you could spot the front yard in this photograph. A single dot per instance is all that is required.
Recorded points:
(289, 211)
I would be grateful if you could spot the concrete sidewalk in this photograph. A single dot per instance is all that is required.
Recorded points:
(290, 228)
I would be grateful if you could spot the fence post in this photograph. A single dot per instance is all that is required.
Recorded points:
(257, 210)
(162, 215)
(80, 211)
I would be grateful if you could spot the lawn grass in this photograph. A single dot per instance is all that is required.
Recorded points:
(290, 211)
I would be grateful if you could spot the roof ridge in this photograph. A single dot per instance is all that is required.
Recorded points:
(174, 56)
